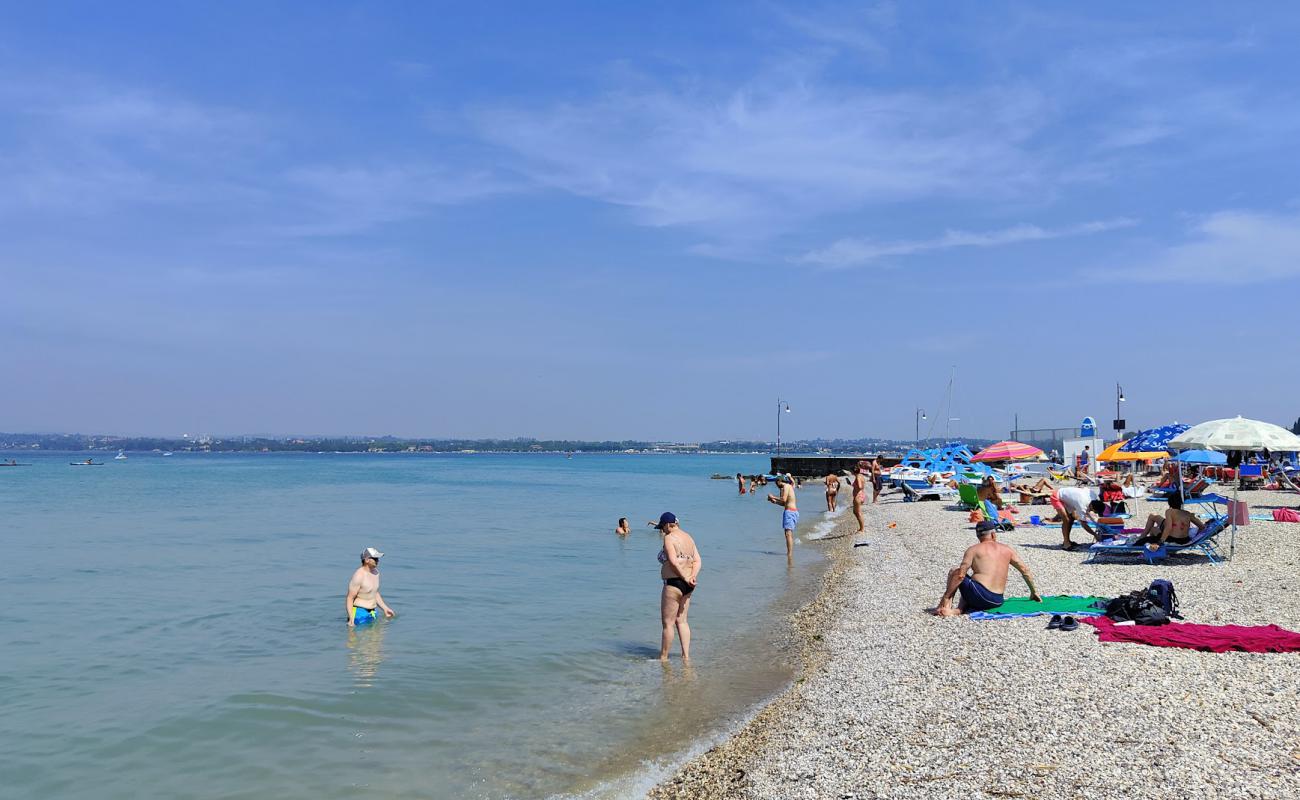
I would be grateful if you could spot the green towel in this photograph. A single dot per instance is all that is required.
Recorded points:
(1055, 604)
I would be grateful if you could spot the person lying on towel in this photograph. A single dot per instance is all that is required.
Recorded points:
(981, 577)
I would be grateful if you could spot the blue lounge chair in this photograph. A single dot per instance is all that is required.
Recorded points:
(1203, 543)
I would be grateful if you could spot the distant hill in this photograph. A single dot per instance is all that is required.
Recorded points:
(393, 444)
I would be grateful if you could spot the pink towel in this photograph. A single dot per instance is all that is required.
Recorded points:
(1210, 638)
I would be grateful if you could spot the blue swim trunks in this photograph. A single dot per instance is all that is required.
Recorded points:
(789, 520)
(364, 616)
(974, 597)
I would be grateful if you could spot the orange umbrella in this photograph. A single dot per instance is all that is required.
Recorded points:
(1113, 453)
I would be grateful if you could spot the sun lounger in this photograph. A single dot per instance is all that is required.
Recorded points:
(1192, 489)
(911, 494)
(1203, 542)
(969, 495)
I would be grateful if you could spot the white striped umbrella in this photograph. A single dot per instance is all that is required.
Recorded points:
(1237, 434)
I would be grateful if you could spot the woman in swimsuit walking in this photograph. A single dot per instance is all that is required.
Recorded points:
(679, 567)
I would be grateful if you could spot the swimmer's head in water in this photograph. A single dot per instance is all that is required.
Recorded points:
(665, 519)
(371, 553)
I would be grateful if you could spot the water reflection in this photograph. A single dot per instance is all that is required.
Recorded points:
(366, 651)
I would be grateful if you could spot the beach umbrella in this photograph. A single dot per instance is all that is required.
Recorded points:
(1007, 451)
(1153, 440)
(1202, 457)
(1115, 453)
(1237, 434)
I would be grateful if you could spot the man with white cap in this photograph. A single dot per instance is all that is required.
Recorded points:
(364, 601)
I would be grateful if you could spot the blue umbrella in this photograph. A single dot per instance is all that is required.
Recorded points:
(1202, 457)
(1153, 440)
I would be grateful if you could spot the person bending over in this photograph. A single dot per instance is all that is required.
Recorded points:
(1175, 526)
(981, 577)
(1071, 504)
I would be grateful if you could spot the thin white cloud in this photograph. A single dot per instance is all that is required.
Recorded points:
(351, 198)
(771, 154)
(1228, 247)
(856, 28)
(853, 252)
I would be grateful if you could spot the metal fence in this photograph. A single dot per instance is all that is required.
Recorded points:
(1045, 439)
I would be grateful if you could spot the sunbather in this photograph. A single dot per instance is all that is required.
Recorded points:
(1039, 491)
(981, 577)
(1174, 527)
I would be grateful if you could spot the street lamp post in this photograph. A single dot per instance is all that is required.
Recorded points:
(920, 415)
(1119, 423)
(779, 411)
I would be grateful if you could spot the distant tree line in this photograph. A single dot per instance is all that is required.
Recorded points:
(392, 444)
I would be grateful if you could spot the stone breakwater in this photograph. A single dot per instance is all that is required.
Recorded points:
(895, 703)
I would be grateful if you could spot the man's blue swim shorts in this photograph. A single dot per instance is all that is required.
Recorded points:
(364, 616)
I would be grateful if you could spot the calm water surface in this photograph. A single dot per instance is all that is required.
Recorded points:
(176, 624)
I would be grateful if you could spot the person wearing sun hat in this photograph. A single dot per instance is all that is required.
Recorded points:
(364, 602)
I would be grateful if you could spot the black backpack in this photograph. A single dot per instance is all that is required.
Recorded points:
(1163, 595)
(1137, 607)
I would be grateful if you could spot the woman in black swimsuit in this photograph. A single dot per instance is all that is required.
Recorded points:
(679, 567)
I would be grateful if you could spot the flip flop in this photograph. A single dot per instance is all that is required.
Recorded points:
(1055, 623)
(1069, 624)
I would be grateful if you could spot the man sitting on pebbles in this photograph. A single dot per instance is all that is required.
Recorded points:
(981, 577)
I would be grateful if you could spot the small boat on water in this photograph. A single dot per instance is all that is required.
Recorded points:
(12, 463)
(86, 463)
(121, 456)
(166, 454)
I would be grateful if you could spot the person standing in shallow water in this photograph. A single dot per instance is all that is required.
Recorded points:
(789, 513)
(832, 489)
(679, 569)
(740, 482)
(623, 529)
(363, 600)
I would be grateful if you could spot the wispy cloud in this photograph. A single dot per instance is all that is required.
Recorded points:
(344, 199)
(853, 252)
(1228, 247)
(856, 28)
(775, 152)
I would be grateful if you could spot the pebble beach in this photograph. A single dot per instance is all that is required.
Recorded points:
(893, 702)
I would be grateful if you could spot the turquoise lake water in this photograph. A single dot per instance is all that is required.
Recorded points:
(176, 624)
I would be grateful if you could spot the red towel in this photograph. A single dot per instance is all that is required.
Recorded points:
(1210, 638)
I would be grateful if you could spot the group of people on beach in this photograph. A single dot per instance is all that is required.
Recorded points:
(981, 577)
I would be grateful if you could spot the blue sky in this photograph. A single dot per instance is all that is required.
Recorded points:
(598, 220)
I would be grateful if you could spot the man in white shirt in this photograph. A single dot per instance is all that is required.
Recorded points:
(1071, 504)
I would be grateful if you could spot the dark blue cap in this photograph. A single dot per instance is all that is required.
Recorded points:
(984, 527)
(666, 518)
